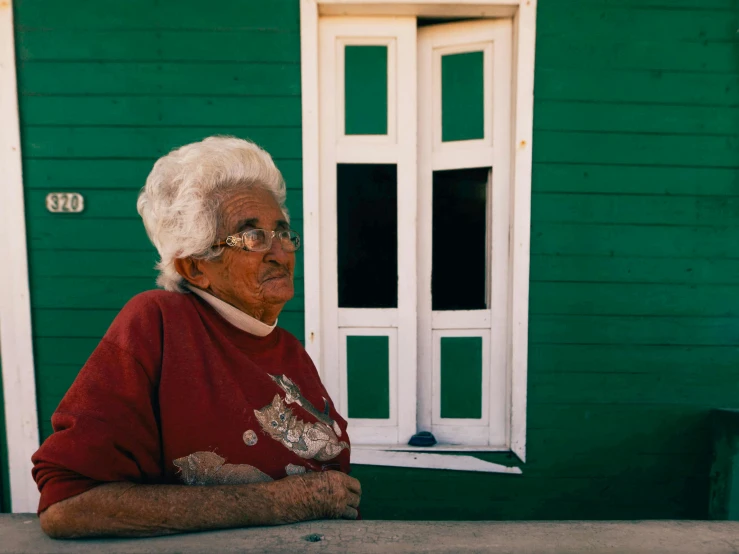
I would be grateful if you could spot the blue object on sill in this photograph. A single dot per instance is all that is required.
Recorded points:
(424, 438)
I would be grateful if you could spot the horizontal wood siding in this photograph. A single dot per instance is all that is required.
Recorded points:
(104, 91)
(635, 224)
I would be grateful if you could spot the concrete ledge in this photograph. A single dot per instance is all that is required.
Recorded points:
(21, 533)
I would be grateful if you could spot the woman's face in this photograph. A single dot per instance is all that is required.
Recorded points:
(258, 283)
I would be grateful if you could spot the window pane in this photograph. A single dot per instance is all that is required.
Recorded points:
(365, 90)
(368, 376)
(462, 97)
(459, 236)
(367, 206)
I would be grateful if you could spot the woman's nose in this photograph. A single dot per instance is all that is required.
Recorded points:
(277, 252)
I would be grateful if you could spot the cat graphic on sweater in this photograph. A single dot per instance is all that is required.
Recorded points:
(293, 396)
(316, 441)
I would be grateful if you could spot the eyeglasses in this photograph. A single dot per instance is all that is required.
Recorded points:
(260, 240)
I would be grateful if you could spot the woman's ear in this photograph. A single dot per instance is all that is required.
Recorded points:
(191, 272)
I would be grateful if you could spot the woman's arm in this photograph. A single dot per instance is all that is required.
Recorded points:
(130, 510)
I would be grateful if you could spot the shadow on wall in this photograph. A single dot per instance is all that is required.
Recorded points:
(655, 471)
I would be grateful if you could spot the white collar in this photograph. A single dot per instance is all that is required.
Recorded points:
(234, 316)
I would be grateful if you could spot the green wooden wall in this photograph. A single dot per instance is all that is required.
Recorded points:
(105, 89)
(635, 223)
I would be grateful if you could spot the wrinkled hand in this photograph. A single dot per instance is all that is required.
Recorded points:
(325, 495)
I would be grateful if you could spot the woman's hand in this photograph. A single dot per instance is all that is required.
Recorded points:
(329, 494)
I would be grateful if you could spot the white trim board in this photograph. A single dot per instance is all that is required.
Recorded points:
(16, 346)
(375, 457)
(523, 13)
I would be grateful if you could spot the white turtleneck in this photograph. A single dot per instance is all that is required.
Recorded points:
(234, 316)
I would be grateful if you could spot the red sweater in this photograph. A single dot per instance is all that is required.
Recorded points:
(175, 394)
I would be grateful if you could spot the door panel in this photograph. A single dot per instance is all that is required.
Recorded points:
(464, 151)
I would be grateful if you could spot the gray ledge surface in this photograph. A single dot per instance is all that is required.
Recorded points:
(21, 533)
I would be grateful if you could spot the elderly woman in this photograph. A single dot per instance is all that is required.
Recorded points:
(196, 384)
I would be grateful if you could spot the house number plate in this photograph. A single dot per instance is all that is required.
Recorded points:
(65, 202)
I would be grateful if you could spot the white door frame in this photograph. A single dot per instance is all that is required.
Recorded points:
(523, 13)
(16, 343)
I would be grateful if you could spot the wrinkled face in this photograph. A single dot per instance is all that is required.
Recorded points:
(256, 282)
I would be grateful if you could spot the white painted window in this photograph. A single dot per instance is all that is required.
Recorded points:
(434, 189)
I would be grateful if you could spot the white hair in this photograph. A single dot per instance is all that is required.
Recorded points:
(181, 201)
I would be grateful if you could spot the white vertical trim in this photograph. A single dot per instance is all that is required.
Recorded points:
(523, 113)
(327, 183)
(425, 202)
(311, 180)
(500, 227)
(407, 113)
(16, 346)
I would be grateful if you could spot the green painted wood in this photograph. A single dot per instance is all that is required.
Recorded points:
(84, 234)
(576, 355)
(75, 350)
(634, 209)
(611, 117)
(141, 14)
(77, 174)
(633, 240)
(694, 5)
(615, 179)
(106, 293)
(630, 330)
(258, 111)
(61, 322)
(444, 499)
(607, 269)
(617, 23)
(86, 292)
(649, 54)
(633, 299)
(658, 87)
(633, 149)
(365, 90)
(104, 263)
(93, 323)
(590, 427)
(461, 377)
(642, 466)
(141, 142)
(114, 205)
(368, 376)
(161, 78)
(53, 385)
(462, 96)
(247, 45)
(699, 388)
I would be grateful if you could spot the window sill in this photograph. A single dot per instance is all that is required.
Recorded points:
(435, 457)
